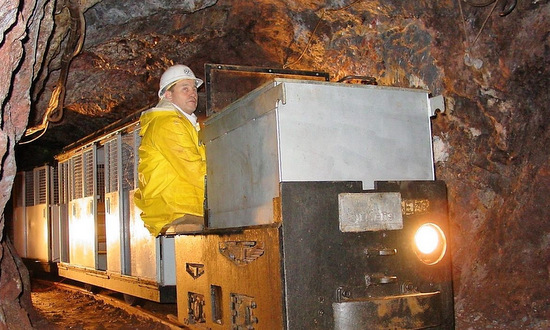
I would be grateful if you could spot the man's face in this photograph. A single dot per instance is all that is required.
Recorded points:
(184, 95)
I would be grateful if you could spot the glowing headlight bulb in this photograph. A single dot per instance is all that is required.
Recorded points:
(426, 239)
(430, 243)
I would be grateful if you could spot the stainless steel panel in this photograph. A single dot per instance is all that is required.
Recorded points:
(126, 174)
(64, 232)
(113, 229)
(38, 233)
(38, 222)
(311, 131)
(63, 219)
(113, 206)
(166, 262)
(255, 104)
(19, 215)
(242, 194)
(55, 225)
(82, 248)
(143, 246)
(20, 231)
(42, 189)
(343, 132)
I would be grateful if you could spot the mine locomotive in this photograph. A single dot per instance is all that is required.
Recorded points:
(322, 210)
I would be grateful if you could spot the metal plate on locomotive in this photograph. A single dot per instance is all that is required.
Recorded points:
(369, 211)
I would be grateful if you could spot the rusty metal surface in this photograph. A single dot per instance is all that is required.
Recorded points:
(413, 311)
(321, 261)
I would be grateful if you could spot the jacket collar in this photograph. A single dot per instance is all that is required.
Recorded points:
(164, 104)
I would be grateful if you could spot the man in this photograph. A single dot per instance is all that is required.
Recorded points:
(172, 161)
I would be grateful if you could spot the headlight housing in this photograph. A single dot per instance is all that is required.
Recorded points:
(430, 243)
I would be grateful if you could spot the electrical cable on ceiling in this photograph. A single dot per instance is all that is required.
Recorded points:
(506, 9)
(37, 137)
(483, 3)
(77, 30)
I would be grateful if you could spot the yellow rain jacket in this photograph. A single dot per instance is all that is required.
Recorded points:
(172, 166)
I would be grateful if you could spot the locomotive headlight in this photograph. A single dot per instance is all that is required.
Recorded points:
(430, 243)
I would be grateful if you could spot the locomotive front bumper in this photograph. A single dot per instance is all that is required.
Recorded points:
(409, 311)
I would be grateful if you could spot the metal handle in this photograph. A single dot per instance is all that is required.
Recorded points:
(376, 279)
(381, 252)
(367, 80)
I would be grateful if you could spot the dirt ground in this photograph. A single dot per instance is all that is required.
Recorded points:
(64, 309)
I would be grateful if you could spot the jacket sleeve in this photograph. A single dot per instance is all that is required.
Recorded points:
(178, 142)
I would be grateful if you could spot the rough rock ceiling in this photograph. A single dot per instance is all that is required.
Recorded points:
(128, 45)
(491, 147)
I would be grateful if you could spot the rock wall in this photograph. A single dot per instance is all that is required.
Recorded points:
(493, 157)
(25, 27)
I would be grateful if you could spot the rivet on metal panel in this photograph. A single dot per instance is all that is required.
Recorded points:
(342, 294)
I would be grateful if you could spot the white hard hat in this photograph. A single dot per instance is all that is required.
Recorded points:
(174, 74)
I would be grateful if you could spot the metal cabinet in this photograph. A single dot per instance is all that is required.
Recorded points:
(293, 130)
